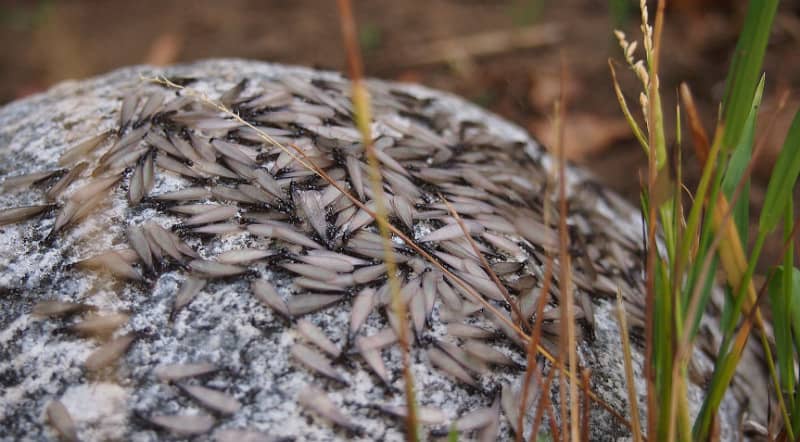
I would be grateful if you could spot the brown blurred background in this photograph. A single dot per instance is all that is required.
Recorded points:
(503, 55)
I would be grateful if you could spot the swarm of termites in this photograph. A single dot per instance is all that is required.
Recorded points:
(280, 166)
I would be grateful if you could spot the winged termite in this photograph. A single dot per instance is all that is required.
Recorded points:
(312, 272)
(450, 366)
(109, 352)
(64, 182)
(373, 358)
(176, 372)
(140, 244)
(279, 232)
(17, 214)
(189, 289)
(316, 336)
(213, 215)
(468, 331)
(112, 262)
(81, 149)
(425, 415)
(100, 324)
(240, 435)
(332, 263)
(309, 303)
(491, 431)
(383, 338)
(62, 422)
(266, 293)
(93, 188)
(475, 419)
(487, 353)
(214, 400)
(241, 256)
(316, 362)
(362, 306)
(184, 425)
(226, 193)
(316, 400)
(214, 269)
(187, 194)
(59, 308)
(170, 164)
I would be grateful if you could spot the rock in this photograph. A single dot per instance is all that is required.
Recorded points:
(126, 237)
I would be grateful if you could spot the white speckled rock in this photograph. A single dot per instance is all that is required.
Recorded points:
(40, 360)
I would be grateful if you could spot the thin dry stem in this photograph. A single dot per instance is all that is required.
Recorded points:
(585, 417)
(652, 46)
(567, 338)
(544, 404)
(361, 104)
(500, 286)
(633, 397)
(532, 367)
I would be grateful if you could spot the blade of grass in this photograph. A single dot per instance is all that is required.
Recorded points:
(567, 346)
(727, 362)
(746, 68)
(633, 401)
(737, 165)
(363, 118)
(623, 104)
(779, 295)
(739, 272)
(701, 144)
(784, 175)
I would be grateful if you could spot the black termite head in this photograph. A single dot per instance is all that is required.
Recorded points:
(268, 328)
(439, 432)
(179, 80)
(589, 332)
(355, 431)
(426, 340)
(141, 420)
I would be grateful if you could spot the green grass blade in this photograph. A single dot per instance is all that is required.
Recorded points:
(780, 302)
(623, 104)
(791, 290)
(727, 360)
(452, 435)
(792, 282)
(737, 165)
(796, 308)
(619, 10)
(746, 68)
(784, 175)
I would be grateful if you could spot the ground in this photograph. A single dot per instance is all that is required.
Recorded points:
(46, 42)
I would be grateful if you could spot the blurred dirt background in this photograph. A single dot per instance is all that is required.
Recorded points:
(504, 55)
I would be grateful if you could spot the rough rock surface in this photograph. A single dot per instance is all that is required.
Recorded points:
(444, 147)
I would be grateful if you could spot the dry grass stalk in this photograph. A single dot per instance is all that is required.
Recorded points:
(489, 270)
(567, 346)
(633, 396)
(363, 119)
